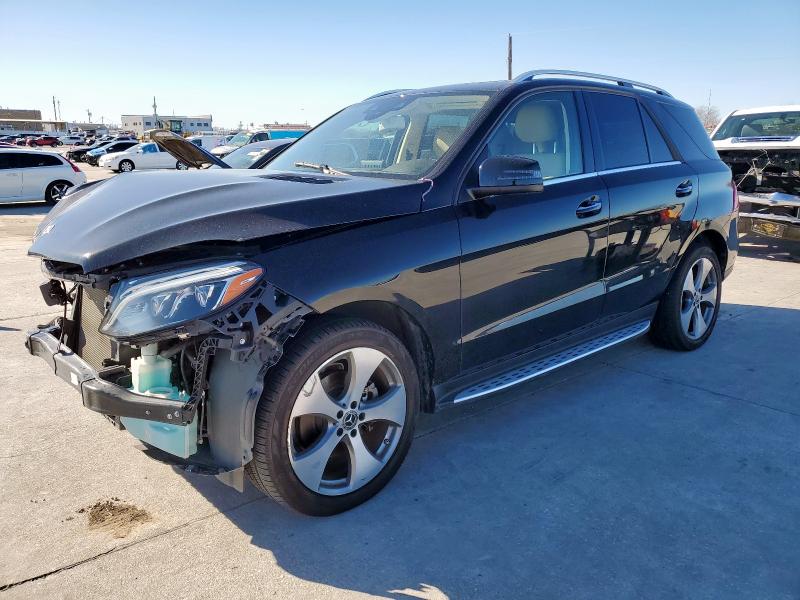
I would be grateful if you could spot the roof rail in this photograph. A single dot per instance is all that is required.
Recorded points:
(386, 93)
(530, 75)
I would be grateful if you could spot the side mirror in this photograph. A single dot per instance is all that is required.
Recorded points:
(507, 175)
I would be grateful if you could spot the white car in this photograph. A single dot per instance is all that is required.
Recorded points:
(71, 140)
(141, 156)
(34, 175)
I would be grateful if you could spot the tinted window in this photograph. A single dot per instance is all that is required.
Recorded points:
(622, 141)
(659, 151)
(545, 128)
(260, 137)
(690, 123)
(27, 161)
(149, 149)
(7, 160)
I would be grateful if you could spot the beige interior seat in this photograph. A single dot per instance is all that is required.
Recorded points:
(444, 138)
(539, 124)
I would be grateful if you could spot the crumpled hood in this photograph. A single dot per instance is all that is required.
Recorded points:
(135, 214)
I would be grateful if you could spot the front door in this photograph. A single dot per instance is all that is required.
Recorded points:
(532, 263)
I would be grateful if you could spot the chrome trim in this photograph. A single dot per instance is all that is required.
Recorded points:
(587, 292)
(530, 75)
(637, 167)
(556, 180)
(569, 178)
(551, 363)
(622, 284)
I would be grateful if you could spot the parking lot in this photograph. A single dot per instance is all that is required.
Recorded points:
(635, 473)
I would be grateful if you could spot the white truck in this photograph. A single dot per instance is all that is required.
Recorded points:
(762, 148)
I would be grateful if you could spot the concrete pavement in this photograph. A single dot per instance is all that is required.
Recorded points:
(636, 473)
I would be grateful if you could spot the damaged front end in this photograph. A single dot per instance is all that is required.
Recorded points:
(177, 357)
(768, 181)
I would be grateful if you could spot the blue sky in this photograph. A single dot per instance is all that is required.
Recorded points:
(302, 60)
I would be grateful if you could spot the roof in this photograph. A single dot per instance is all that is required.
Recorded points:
(765, 109)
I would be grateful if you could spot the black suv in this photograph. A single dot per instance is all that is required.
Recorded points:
(416, 250)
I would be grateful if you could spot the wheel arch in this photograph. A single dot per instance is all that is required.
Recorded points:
(403, 325)
(715, 240)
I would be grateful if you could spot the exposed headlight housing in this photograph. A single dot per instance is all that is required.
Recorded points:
(145, 304)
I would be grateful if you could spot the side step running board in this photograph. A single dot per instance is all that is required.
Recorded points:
(545, 365)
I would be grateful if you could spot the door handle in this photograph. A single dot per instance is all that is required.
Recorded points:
(589, 207)
(684, 189)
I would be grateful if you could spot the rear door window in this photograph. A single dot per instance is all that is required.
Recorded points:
(27, 161)
(622, 140)
(659, 150)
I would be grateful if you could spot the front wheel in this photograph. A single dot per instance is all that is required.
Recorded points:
(126, 166)
(689, 308)
(336, 417)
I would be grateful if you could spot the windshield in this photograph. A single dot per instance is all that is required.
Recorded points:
(760, 125)
(240, 139)
(400, 135)
(244, 157)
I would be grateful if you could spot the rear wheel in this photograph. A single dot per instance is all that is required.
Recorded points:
(336, 417)
(689, 308)
(126, 166)
(55, 191)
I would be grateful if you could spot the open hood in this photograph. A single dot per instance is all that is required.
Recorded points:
(184, 150)
(139, 213)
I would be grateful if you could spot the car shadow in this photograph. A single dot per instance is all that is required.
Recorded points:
(24, 208)
(756, 246)
(577, 487)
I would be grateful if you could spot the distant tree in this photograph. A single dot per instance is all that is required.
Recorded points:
(709, 116)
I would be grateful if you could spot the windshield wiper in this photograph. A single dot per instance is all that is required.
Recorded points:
(321, 168)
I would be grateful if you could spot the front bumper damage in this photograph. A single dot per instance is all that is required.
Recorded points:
(768, 181)
(225, 390)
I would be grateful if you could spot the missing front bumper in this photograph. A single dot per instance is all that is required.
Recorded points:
(98, 394)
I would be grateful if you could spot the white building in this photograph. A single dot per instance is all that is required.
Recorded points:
(141, 123)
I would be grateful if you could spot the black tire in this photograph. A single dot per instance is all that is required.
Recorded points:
(128, 166)
(666, 329)
(270, 470)
(55, 190)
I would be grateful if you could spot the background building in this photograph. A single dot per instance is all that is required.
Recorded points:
(20, 119)
(141, 123)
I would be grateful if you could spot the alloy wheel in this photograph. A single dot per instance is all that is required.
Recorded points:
(699, 298)
(58, 190)
(346, 421)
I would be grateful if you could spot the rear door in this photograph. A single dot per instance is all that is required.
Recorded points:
(532, 263)
(38, 171)
(651, 193)
(10, 176)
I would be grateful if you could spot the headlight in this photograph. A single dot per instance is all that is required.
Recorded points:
(154, 302)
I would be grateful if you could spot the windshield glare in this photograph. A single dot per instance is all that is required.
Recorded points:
(760, 125)
(401, 135)
(244, 157)
(240, 139)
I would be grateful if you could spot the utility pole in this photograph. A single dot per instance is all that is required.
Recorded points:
(59, 110)
(55, 114)
(510, 53)
(89, 112)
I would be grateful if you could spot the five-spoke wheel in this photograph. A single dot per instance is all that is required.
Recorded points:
(336, 417)
(688, 310)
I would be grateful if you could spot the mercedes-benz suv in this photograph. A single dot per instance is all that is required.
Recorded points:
(416, 250)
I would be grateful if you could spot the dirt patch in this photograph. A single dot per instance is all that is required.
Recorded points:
(115, 516)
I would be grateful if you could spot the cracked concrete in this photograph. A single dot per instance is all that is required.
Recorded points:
(638, 472)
